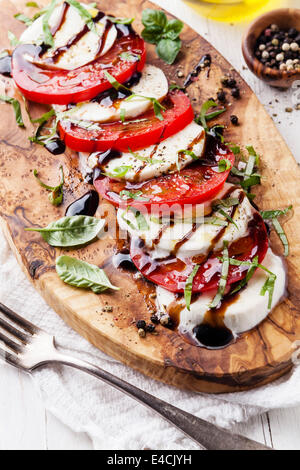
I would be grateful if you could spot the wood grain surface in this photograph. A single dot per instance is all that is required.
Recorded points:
(257, 357)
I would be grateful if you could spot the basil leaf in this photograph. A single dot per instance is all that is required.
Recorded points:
(269, 287)
(48, 39)
(120, 20)
(224, 165)
(129, 56)
(16, 107)
(32, 4)
(56, 192)
(167, 49)
(174, 86)
(14, 41)
(122, 114)
(281, 233)
(44, 118)
(223, 279)
(85, 15)
(251, 181)
(190, 153)
(215, 221)
(150, 36)
(213, 114)
(249, 275)
(202, 116)
(189, 287)
(154, 20)
(70, 231)
(150, 160)
(137, 195)
(78, 273)
(252, 153)
(23, 18)
(119, 171)
(228, 202)
(140, 219)
(172, 29)
(275, 213)
(236, 150)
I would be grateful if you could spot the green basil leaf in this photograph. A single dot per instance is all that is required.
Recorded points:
(71, 231)
(190, 153)
(122, 114)
(174, 86)
(248, 276)
(215, 221)
(236, 150)
(137, 195)
(120, 20)
(154, 19)
(14, 41)
(167, 49)
(253, 153)
(78, 273)
(223, 279)
(152, 37)
(23, 18)
(140, 219)
(119, 171)
(44, 118)
(251, 181)
(56, 192)
(281, 233)
(201, 119)
(150, 160)
(32, 4)
(275, 213)
(48, 38)
(228, 202)
(85, 15)
(16, 107)
(213, 114)
(188, 288)
(269, 287)
(172, 29)
(130, 57)
(224, 165)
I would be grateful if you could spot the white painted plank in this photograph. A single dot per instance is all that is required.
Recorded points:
(285, 428)
(21, 412)
(256, 428)
(61, 437)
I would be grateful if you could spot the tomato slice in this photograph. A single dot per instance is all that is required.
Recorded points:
(172, 273)
(146, 130)
(197, 183)
(57, 86)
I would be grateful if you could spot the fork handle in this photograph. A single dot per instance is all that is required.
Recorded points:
(205, 434)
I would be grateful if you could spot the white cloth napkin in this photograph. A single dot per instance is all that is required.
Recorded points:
(113, 420)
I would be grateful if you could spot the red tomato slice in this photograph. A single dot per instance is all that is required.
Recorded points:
(135, 135)
(58, 86)
(172, 273)
(195, 184)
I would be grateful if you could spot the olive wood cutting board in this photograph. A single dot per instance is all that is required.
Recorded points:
(258, 356)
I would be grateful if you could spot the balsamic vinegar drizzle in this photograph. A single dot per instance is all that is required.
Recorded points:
(85, 205)
(5, 66)
(204, 62)
(56, 146)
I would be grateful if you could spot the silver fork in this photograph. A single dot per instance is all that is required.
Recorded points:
(28, 347)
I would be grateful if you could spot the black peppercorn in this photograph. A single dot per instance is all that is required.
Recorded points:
(234, 119)
(154, 319)
(292, 32)
(231, 83)
(235, 92)
(150, 328)
(221, 95)
(141, 324)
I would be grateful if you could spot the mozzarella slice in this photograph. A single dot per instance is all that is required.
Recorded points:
(201, 242)
(248, 309)
(163, 158)
(84, 50)
(153, 84)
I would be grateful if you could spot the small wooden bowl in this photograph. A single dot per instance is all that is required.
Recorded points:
(285, 18)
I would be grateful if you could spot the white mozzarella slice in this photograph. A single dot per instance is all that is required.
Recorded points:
(201, 241)
(165, 156)
(248, 309)
(83, 51)
(153, 84)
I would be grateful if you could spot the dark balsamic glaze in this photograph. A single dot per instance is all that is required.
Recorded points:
(204, 62)
(85, 205)
(123, 260)
(109, 97)
(213, 337)
(56, 146)
(5, 66)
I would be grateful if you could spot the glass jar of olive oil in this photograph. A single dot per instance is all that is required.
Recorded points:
(234, 10)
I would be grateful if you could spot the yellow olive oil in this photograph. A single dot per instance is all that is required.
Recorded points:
(234, 10)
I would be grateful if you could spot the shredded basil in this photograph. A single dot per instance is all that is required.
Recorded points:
(223, 279)
(266, 215)
(23, 18)
(32, 4)
(190, 153)
(188, 288)
(281, 233)
(14, 41)
(119, 171)
(120, 20)
(224, 165)
(48, 38)
(150, 160)
(137, 195)
(129, 56)
(248, 276)
(56, 192)
(16, 107)
(85, 15)
(174, 86)
(204, 116)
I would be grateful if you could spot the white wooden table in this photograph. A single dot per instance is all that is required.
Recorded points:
(24, 422)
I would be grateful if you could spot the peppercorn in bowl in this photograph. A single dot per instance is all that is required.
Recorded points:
(271, 47)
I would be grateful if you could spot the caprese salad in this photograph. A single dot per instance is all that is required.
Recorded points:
(181, 194)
